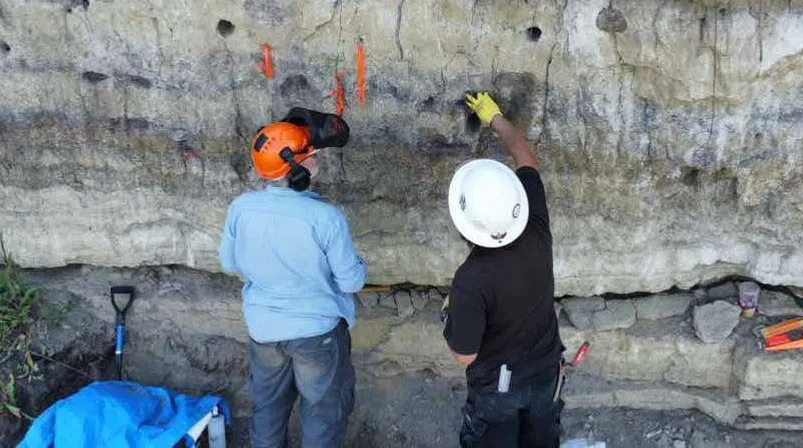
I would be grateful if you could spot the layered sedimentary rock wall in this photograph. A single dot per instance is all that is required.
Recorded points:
(668, 131)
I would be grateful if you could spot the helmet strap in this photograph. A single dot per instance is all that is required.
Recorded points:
(299, 177)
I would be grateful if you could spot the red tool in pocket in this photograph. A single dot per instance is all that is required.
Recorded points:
(577, 361)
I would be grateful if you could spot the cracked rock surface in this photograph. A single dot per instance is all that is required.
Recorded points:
(669, 138)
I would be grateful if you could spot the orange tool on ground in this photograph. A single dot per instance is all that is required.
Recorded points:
(339, 94)
(783, 327)
(788, 341)
(783, 336)
(361, 69)
(266, 66)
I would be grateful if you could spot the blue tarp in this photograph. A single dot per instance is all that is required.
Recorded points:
(115, 414)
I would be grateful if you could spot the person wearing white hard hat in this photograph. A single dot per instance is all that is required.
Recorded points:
(499, 319)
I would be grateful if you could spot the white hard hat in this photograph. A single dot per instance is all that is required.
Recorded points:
(488, 203)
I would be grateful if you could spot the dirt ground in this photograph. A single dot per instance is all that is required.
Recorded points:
(422, 410)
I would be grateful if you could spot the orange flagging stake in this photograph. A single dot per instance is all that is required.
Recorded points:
(361, 73)
(339, 94)
(266, 66)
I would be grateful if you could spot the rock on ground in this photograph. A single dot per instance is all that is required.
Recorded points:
(772, 303)
(725, 291)
(714, 322)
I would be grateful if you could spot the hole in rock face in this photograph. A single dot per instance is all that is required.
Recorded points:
(93, 77)
(225, 28)
(690, 176)
(4, 46)
(533, 33)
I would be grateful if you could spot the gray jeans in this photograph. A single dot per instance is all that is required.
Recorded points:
(320, 370)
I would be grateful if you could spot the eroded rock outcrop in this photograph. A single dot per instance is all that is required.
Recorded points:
(668, 131)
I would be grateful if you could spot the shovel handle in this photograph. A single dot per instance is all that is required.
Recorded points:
(122, 290)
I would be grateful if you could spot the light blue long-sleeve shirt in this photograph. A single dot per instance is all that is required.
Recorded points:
(296, 254)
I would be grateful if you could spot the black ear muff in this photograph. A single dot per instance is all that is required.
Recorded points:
(299, 177)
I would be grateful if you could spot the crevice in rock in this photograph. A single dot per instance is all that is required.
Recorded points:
(139, 81)
(238, 117)
(701, 27)
(655, 31)
(155, 23)
(320, 26)
(545, 107)
(93, 77)
(399, 13)
(619, 108)
(760, 33)
(715, 56)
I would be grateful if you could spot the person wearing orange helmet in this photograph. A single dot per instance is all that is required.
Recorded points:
(296, 254)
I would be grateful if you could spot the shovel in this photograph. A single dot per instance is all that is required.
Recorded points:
(125, 295)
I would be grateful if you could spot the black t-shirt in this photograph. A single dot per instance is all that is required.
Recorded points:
(502, 303)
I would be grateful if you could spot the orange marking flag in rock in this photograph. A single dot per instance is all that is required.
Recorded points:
(266, 66)
(339, 94)
(361, 74)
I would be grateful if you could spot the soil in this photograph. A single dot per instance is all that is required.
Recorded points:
(422, 410)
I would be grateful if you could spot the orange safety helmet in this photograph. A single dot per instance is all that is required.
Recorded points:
(269, 142)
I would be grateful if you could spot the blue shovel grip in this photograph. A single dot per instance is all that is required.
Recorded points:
(118, 348)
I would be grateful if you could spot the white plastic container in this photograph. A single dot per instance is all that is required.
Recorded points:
(217, 430)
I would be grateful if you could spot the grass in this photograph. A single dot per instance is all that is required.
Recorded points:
(17, 300)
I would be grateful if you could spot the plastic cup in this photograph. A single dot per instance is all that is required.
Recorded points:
(748, 298)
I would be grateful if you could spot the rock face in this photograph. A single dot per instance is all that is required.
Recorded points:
(774, 303)
(186, 332)
(714, 322)
(662, 306)
(668, 132)
(598, 314)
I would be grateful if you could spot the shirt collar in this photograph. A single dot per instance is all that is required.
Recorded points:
(285, 191)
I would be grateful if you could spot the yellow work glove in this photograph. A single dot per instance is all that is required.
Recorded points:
(484, 106)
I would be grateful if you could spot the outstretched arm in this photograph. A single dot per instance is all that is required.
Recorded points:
(516, 144)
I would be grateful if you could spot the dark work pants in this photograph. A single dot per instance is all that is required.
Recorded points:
(523, 417)
(317, 368)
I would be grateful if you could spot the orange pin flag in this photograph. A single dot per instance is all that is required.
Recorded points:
(266, 66)
(339, 94)
(361, 73)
